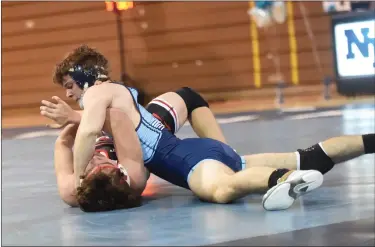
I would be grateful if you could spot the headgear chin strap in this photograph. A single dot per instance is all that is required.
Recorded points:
(85, 77)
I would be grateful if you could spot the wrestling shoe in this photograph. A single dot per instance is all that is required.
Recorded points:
(289, 187)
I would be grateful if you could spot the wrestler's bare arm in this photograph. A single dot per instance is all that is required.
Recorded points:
(77, 119)
(96, 101)
(63, 159)
(128, 148)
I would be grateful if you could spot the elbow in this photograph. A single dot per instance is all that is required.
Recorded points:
(137, 174)
(139, 190)
(139, 181)
(71, 202)
(67, 192)
(140, 187)
(69, 198)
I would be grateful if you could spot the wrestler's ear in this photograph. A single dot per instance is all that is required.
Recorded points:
(124, 173)
(81, 178)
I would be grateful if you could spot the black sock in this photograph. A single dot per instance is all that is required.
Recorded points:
(272, 181)
(369, 143)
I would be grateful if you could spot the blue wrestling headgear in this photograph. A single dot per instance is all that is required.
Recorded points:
(85, 77)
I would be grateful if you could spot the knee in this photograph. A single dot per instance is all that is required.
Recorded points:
(314, 158)
(211, 191)
(223, 194)
(192, 99)
(212, 182)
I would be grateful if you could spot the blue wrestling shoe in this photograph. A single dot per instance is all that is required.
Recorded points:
(290, 187)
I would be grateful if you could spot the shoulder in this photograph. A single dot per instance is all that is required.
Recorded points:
(106, 91)
(98, 93)
(102, 90)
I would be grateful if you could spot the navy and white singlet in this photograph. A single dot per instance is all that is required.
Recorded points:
(173, 159)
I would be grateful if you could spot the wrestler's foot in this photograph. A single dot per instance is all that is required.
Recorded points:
(290, 187)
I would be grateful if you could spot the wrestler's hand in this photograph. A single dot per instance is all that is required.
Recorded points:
(68, 134)
(60, 112)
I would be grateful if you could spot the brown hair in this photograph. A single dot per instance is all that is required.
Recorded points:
(84, 56)
(104, 192)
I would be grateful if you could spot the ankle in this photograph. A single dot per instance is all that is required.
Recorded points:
(277, 176)
(285, 176)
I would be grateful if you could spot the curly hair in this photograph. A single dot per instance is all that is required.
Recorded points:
(105, 192)
(84, 56)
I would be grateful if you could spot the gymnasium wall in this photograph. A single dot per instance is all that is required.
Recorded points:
(212, 47)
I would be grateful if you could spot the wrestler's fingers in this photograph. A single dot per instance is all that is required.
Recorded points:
(48, 114)
(48, 104)
(58, 100)
(55, 126)
(47, 109)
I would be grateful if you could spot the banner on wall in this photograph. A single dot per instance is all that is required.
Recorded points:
(336, 6)
(354, 46)
(346, 6)
(354, 50)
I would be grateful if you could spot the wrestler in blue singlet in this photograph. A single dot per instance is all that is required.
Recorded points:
(164, 154)
(171, 158)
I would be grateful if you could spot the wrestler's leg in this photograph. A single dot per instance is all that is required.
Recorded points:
(204, 124)
(213, 181)
(175, 108)
(170, 109)
(322, 156)
(216, 182)
(344, 148)
(200, 115)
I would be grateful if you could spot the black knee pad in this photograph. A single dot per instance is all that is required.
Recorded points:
(193, 100)
(314, 158)
(369, 143)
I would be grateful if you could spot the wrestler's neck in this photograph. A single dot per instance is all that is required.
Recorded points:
(86, 87)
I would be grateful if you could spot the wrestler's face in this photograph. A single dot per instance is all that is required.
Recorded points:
(101, 160)
(100, 163)
(72, 89)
